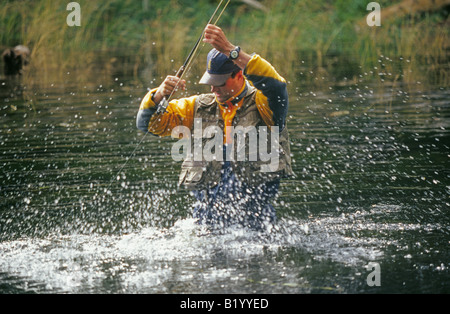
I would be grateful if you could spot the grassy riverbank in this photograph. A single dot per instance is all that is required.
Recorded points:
(315, 41)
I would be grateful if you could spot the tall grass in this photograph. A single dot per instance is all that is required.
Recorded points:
(314, 41)
(333, 40)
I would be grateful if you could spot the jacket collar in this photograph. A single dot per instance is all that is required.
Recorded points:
(233, 101)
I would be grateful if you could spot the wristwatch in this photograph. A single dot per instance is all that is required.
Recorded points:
(234, 54)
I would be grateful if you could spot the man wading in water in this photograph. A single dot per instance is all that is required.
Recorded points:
(246, 92)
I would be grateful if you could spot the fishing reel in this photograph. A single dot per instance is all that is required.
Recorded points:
(162, 106)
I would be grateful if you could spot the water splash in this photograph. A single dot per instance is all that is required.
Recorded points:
(161, 260)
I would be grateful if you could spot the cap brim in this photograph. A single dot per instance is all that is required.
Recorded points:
(214, 79)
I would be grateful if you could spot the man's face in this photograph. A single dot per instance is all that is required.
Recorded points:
(229, 89)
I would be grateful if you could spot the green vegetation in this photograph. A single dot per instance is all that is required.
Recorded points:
(328, 39)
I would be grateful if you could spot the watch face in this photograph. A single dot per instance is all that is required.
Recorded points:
(234, 54)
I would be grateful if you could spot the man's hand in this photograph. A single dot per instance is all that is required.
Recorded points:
(216, 37)
(167, 87)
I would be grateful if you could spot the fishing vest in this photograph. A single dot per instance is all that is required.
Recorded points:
(202, 174)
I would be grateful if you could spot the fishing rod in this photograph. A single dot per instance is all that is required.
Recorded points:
(162, 106)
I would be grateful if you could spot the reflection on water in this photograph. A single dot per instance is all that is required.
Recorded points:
(372, 185)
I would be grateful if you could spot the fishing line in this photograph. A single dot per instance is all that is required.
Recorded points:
(203, 34)
(180, 74)
(186, 66)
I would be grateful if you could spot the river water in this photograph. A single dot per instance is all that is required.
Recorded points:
(371, 189)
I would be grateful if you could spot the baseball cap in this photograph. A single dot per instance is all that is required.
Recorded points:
(218, 69)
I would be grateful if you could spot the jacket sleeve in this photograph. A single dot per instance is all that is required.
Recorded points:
(272, 97)
(180, 112)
